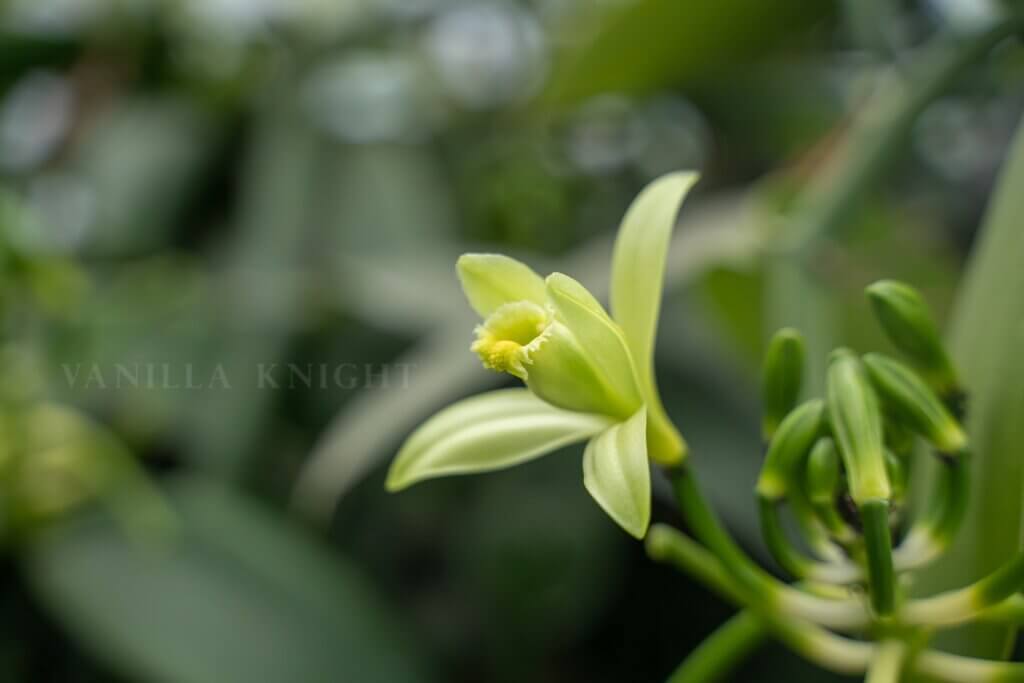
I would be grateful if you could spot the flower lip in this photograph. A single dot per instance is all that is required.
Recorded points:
(506, 339)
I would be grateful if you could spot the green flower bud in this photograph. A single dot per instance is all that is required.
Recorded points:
(781, 379)
(823, 474)
(823, 483)
(857, 425)
(909, 325)
(791, 442)
(526, 340)
(907, 396)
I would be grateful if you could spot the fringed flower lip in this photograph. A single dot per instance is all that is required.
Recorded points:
(506, 341)
(588, 373)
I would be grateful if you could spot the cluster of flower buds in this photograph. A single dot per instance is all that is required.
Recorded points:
(841, 463)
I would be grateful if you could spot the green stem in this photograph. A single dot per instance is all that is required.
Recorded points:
(722, 651)
(817, 645)
(1009, 611)
(834, 523)
(874, 515)
(813, 530)
(761, 590)
(796, 562)
(932, 534)
(665, 544)
(887, 665)
(965, 604)
(788, 557)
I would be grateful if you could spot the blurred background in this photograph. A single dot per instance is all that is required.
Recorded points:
(227, 238)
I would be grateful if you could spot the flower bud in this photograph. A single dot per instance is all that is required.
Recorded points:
(857, 425)
(791, 442)
(907, 396)
(781, 379)
(823, 474)
(909, 325)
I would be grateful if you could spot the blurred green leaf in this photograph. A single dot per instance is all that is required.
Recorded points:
(682, 41)
(239, 596)
(986, 339)
(139, 162)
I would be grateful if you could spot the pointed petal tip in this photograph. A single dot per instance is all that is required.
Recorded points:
(396, 481)
(682, 180)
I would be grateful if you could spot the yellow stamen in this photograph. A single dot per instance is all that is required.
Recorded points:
(507, 338)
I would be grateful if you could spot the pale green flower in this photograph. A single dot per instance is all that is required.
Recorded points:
(589, 375)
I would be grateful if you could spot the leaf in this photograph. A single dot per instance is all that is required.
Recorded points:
(616, 473)
(238, 596)
(985, 341)
(601, 339)
(682, 42)
(488, 432)
(491, 280)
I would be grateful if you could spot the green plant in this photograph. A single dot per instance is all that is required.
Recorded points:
(840, 463)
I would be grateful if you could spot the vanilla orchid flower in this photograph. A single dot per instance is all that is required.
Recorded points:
(588, 375)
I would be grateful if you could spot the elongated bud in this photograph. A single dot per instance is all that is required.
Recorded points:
(792, 440)
(857, 425)
(823, 483)
(914, 402)
(909, 325)
(823, 472)
(781, 379)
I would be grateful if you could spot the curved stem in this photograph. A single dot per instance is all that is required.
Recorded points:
(796, 562)
(817, 645)
(887, 665)
(932, 534)
(816, 534)
(964, 604)
(722, 651)
(665, 544)
(788, 557)
(760, 589)
(1009, 611)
